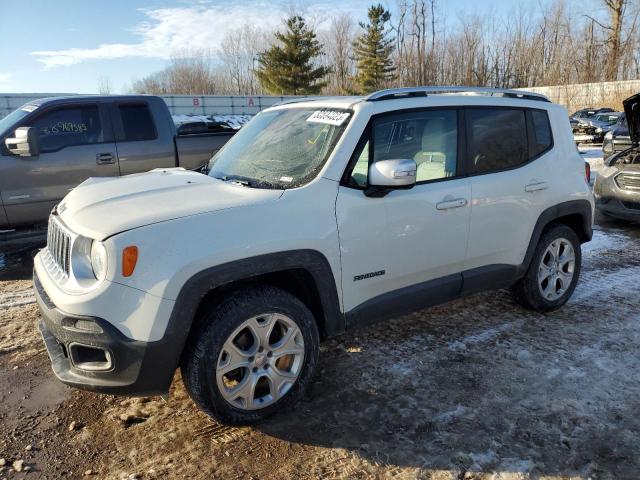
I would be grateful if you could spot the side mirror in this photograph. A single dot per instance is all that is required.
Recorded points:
(386, 175)
(24, 142)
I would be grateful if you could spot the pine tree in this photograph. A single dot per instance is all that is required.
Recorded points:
(289, 68)
(373, 51)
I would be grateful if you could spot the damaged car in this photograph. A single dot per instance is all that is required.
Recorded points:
(617, 186)
(617, 139)
(603, 123)
(594, 128)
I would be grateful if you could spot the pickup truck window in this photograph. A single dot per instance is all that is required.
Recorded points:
(137, 122)
(65, 127)
(12, 119)
(280, 148)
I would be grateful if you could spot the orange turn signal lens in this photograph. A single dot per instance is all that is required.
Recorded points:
(129, 260)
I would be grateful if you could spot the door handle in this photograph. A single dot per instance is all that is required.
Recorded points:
(448, 204)
(105, 158)
(536, 186)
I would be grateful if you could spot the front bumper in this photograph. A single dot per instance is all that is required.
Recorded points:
(615, 202)
(100, 358)
(586, 138)
(625, 210)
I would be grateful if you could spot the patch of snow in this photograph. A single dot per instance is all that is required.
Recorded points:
(480, 337)
(516, 465)
(603, 284)
(234, 121)
(481, 459)
(446, 417)
(605, 241)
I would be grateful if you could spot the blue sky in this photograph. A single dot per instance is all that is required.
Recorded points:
(68, 45)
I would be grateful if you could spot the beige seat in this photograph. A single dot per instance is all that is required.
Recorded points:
(430, 166)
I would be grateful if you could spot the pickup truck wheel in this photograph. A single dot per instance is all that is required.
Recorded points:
(553, 273)
(252, 355)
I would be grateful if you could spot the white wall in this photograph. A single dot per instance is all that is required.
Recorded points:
(588, 95)
(178, 104)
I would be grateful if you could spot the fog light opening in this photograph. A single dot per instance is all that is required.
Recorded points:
(90, 358)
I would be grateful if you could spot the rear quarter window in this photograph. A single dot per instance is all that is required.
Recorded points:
(497, 138)
(540, 132)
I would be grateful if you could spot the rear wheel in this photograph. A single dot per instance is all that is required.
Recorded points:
(252, 354)
(553, 273)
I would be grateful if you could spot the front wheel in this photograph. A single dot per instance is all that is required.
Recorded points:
(252, 355)
(553, 273)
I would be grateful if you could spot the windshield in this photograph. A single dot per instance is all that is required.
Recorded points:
(14, 117)
(280, 148)
(607, 118)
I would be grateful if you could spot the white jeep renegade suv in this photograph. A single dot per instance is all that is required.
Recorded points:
(317, 216)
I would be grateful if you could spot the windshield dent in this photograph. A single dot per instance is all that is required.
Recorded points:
(280, 148)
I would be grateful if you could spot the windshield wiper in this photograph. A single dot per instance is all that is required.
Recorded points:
(248, 182)
(235, 179)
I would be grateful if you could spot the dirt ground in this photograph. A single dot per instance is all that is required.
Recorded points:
(475, 389)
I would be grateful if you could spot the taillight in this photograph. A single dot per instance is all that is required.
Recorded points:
(587, 173)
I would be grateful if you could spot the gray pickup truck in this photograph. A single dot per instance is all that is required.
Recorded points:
(49, 146)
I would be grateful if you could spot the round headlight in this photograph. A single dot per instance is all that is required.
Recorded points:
(609, 135)
(99, 260)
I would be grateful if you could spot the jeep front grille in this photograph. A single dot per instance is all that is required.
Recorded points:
(628, 181)
(59, 244)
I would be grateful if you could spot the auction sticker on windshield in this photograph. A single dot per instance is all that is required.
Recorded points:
(330, 117)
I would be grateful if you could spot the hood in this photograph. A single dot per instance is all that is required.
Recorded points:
(101, 207)
(632, 113)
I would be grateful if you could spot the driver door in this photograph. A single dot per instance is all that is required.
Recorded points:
(406, 249)
(75, 143)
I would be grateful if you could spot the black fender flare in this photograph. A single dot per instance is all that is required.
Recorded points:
(199, 285)
(550, 215)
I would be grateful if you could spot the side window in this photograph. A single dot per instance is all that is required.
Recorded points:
(67, 127)
(361, 168)
(137, 122)
(497, 138)
(540, 130)
(429, 137)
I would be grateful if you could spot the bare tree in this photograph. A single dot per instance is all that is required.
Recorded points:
(616, 10)
(338, 40)
(189, 72)
(104, 85)
(238, 55)
(537, 44)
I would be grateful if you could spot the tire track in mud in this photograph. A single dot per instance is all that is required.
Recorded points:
(17, 299)
(220, 434)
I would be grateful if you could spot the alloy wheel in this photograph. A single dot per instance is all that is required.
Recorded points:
(260, 361)
(556, 269)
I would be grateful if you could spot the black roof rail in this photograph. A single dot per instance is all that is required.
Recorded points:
(396, 93)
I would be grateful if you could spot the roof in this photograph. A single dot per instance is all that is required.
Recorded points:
(85, 98)
(414, 93)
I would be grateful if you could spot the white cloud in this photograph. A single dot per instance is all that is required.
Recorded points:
(4, 78)
(169, 30)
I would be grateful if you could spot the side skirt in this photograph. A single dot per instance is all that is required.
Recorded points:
(433, 292)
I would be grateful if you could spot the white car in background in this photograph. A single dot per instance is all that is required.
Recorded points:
(317, 216)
